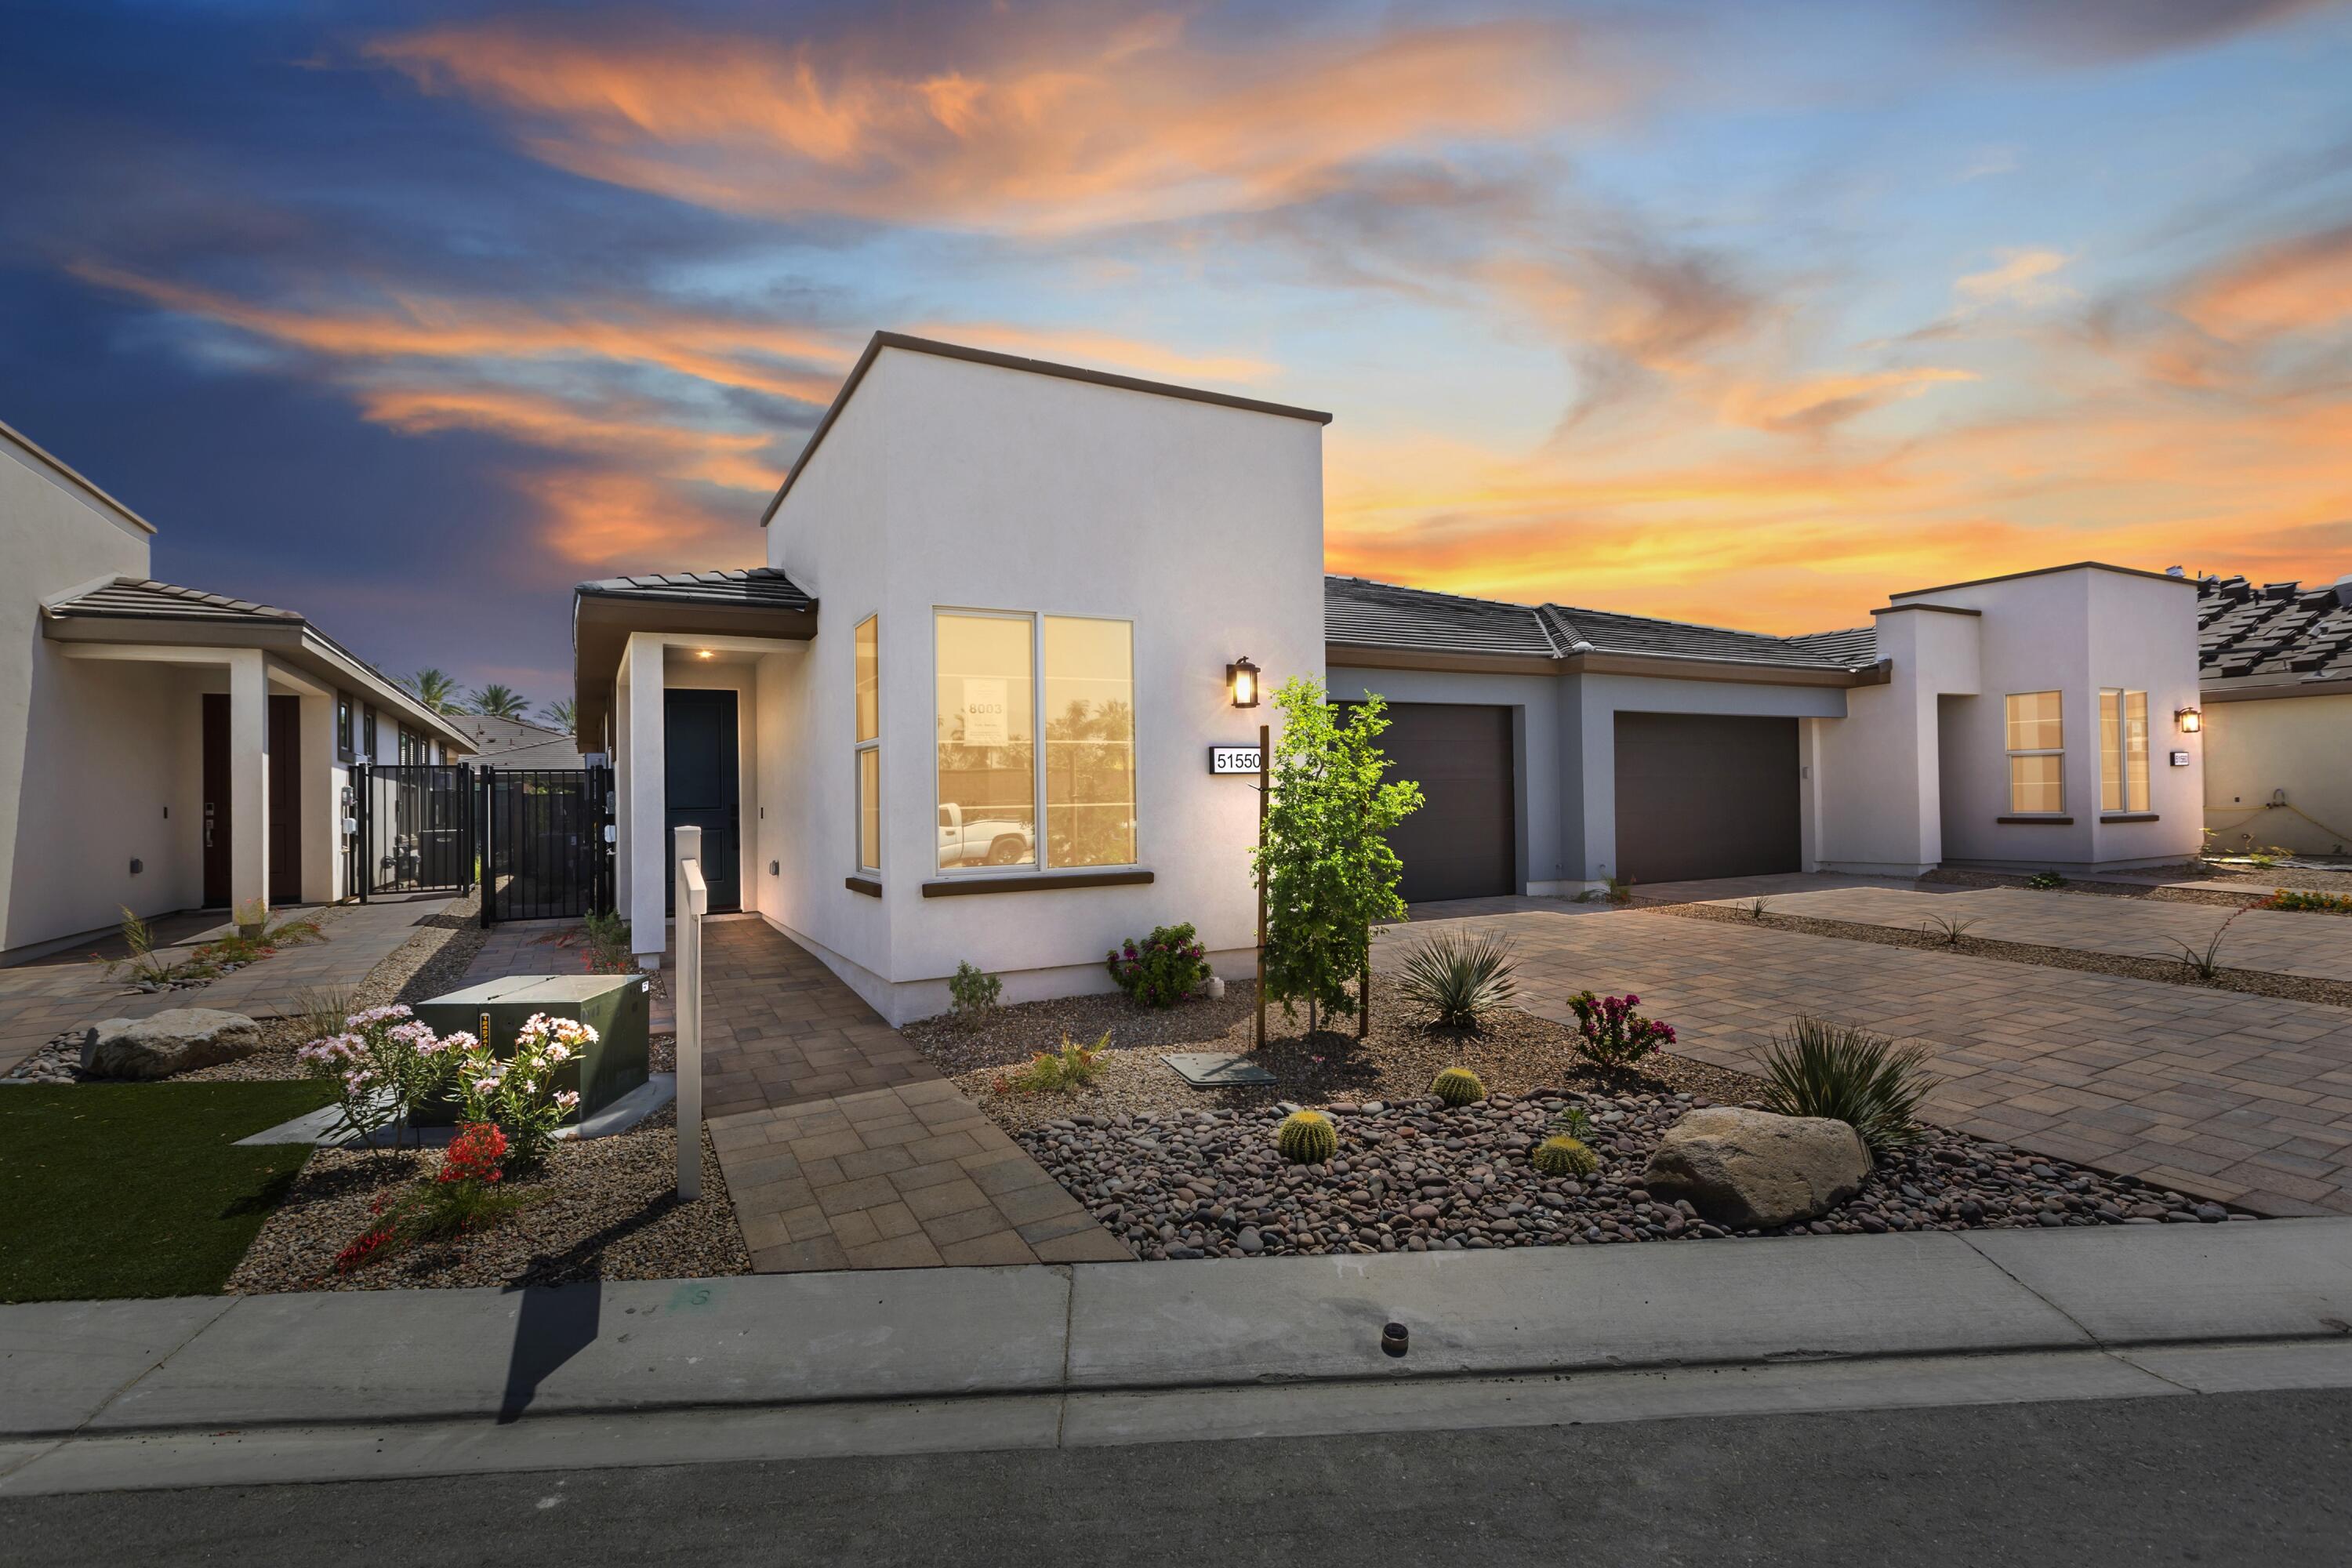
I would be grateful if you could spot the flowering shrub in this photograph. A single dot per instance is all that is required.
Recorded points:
(1610, 1034)
(1064, 1071)
(476, 1154)
(462, 1197)
(1163, 969)
(518, 1092)
(384, 1065)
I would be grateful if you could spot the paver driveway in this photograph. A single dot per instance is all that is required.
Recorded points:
(2318, 945)
(2244, 1098)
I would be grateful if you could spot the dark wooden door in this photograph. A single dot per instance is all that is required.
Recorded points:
(216, 824)
(1703, 795)
(1464, 841)
(701, 788)
(285, 800)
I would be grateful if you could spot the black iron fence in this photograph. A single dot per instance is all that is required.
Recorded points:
(415, 832)
(537, 840)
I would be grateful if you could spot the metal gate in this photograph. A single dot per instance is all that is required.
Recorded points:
(413, 829)
(545, 853)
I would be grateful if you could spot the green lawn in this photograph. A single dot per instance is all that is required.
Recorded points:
(137, 1189)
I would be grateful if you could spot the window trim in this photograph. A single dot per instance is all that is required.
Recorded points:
(2009, 755)
(367, 734)
(2126, 808)
(1037, 866)
(859, 749)
(347, 720)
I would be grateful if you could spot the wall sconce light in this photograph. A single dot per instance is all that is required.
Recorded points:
(1241, 679)
(702, 653)
(2189, 720)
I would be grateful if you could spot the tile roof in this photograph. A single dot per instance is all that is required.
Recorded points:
(2273, 634)
(1362, 613)
(146, 599)
(763, 587)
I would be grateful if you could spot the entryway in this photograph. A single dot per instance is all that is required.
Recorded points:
(702, 788)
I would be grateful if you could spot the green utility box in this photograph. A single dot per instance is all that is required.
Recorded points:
(618, 1006)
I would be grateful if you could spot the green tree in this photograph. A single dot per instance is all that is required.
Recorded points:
(436, 688)
(563, 715)
(1330, 874)
(496, 701)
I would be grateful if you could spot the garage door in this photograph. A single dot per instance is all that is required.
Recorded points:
(1462, 841)
(1702, 795)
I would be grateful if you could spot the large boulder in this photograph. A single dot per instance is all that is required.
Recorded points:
(177, 1039)
(1750, 1168)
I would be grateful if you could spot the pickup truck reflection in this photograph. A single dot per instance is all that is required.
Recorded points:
(998, 838)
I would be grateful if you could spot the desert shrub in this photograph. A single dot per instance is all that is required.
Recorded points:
(1948, 928)
(1849, 1075)
(464, 1198)
(2296, 898)
(383, 1063)
(1621, 891)
(1307, 1138)
(1457, 1086)
(1565, 1156)
(1610, 1034)
(517, 1091)
(143, 967)
(1458, 977)
(608, 944)
(2046, 879)
(971, 995)
(1757, 909)
(1063, 1071)
(1163, 969)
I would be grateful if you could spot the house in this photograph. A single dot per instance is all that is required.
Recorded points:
(1035, 582)
(517, 743)
(162, 747)
(2274, 662)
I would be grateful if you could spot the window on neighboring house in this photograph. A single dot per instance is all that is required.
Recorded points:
(409, 751)
(869, 745)
(2122, 751)
(342, 726)
(367, 734)
(2037, 754)
(991, 707)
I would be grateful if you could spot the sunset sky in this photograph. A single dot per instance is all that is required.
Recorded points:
(412, 316)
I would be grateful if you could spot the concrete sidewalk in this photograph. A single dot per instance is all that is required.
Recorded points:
(377, 1358)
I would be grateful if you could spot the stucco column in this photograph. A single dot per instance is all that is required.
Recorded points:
(322, 822)
(248, 784)
(644, 838)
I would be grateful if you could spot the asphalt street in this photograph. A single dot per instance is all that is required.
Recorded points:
(2256, 1478)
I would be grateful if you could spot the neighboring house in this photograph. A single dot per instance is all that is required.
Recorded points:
(2275, 660)
(517, 743)
(162, 747)
(1005, 549)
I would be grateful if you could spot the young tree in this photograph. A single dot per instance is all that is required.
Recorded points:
(1330, 874)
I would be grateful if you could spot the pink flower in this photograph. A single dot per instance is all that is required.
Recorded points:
(567, 1100)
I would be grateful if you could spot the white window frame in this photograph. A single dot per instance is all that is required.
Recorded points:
(857, 753)
(2009, 782)
(2125, 806)
(1036, 619)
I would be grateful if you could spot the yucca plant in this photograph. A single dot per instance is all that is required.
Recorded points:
(1757, 909)
(1950, 930)
(2205, 963)
(1845, 1074)
(1458, 977)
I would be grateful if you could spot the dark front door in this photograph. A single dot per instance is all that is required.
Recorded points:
(285, 800)
(1464, 841)
(214, 826)
(1703, 795)
(701, 788)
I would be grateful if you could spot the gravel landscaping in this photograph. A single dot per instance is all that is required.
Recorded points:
(1415, 1176)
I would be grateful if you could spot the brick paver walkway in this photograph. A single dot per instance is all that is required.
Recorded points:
(2316, 945)
(40, 1000)
(2245, 1099)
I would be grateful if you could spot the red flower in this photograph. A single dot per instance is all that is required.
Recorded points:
(476, 1154)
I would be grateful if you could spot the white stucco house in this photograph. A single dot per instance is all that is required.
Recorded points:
(2276, 669)
(162, 747)
(966, 709)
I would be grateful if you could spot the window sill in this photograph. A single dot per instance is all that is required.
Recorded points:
(1033, 882)
(2035, 821)
(2129, 817)
(868, 886)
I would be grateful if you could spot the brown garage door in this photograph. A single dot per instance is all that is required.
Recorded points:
(1462, 841)
(1704, 796)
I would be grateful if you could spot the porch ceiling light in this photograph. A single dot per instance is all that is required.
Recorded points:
(702, 653)
(2189, 720)
(1241, 679)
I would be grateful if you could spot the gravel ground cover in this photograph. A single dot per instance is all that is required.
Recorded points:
(1415, 1176)
(603, 1209)
(1513, 1053)
(2253, 981)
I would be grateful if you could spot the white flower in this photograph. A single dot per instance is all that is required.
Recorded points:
(557, 1053)
(567, 1100)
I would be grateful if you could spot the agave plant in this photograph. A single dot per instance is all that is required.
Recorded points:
(1457, 977)
(1849, 1075)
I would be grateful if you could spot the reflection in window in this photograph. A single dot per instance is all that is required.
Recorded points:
(1089, 743)
(985, 719)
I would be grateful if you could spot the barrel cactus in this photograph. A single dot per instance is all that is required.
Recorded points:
(1457, 1086)
(1307, 1138)
(1565, 1156)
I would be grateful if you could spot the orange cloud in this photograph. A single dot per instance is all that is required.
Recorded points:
(673, 451)
(2305, 285)
(604, 519)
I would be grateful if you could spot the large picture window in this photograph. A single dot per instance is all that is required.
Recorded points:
(2122, 751)
(1003, 680)
(2037, 754)
(869, 745)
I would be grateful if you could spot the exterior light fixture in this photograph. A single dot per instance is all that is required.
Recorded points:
(1241, 679)
(702, 653)
(2189, 720)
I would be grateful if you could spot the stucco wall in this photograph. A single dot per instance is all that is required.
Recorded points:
(1878, 782)
(2299, 744)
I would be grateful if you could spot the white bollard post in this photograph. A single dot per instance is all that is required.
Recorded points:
(686, 999)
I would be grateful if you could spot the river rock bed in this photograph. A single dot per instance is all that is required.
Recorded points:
(1416, 1177)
